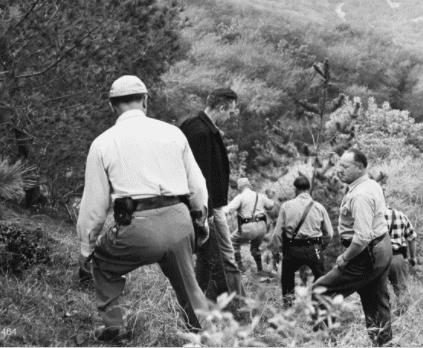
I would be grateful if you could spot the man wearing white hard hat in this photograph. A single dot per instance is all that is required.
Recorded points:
(251, 210)
(147, 168)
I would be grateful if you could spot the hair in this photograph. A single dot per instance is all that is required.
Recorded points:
(359, 156)
(221, 96)
(125, 99)
(301, 183)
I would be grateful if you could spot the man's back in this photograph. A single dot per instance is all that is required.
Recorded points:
(210, 153)
(245, 202)
(150, 150)
(316, 222)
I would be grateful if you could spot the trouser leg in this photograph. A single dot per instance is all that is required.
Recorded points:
(256, 252)
(177, 266)
(109, 282)
(291, 262)
(370, 282)
(207, 261)
(316, 261)
(398, 274)
(377, 311)
(226, 254)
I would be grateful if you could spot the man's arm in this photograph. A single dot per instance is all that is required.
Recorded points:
(410, 236)
(412, 248)
(198, 195)
(362, 213)
(275, 244)
(327, 229)
(234, 205)
(95, 202)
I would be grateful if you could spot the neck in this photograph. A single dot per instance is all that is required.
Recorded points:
(212, 114)
(363, 174)
(122, 108)
(298, 192)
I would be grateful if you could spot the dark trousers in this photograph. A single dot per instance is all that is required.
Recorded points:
(164, 236)
(398, 274)
(295, 257)
(369, 279)
(216, 269)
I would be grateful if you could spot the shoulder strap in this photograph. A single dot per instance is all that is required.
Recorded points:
(307, 209)
(392, 223)
(255, 205)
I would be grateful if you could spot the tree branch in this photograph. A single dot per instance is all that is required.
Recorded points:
(27, 14)
(66, 52)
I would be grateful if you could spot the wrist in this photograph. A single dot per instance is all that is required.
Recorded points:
(343, 257)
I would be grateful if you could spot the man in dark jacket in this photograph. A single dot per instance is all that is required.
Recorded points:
(216, 269)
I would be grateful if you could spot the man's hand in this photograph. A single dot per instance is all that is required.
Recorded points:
(210, 220)
(84, 268)
(276, 260)
(412, 261)
(341, 262)
(202, 232)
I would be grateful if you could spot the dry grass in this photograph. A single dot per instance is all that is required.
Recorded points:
(52, 309)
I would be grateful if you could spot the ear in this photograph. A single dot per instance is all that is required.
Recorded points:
(144, 101)
(222, 108)
(112, 108)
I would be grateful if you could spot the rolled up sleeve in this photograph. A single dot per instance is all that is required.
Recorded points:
(327, 229)
(362, 211)
(276, 240)
(95, 201)
(198, 195)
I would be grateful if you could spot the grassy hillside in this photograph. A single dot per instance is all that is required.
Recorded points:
(49, 308)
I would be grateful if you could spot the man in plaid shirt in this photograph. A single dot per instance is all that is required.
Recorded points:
(402, 233)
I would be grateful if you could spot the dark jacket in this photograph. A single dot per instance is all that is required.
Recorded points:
(210, 153)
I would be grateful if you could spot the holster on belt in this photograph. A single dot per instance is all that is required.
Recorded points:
(255, 218)
(123, 209)
(367, 253)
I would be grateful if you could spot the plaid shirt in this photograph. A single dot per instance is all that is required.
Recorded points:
(401, 230)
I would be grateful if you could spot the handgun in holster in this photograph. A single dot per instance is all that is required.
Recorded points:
(123, 209)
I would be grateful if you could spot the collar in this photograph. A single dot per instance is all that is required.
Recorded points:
(209, 123)
(360, 180)
(130, 114)
(304, 195)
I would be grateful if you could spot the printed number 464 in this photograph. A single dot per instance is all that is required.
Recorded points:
(8, 331)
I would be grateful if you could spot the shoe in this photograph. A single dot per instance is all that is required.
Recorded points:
(111, 333)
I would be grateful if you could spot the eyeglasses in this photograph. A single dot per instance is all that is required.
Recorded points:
(234, 113)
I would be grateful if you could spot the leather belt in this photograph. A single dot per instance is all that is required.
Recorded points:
(304, 242)
(256, 218)
(347, 242)
(155, 202)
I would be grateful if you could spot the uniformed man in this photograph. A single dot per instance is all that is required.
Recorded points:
(303, 230)
(403, 239)
(147, 167)
(364, 265)
(251, 210)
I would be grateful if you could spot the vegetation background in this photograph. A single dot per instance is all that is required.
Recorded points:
(58, 59)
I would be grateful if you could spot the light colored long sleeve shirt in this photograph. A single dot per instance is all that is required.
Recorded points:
(138, 157)
(244, 203)
(362, 213)
(316, 224)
